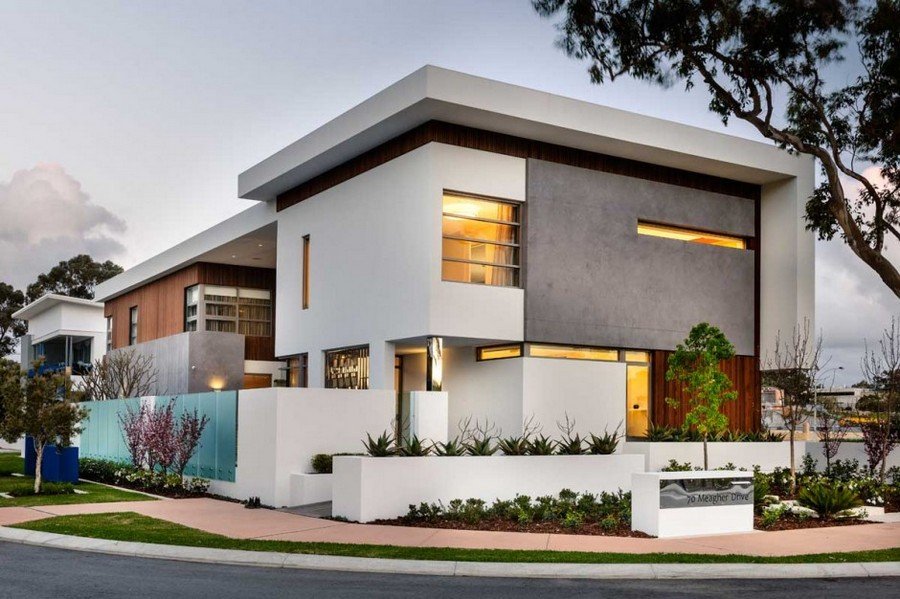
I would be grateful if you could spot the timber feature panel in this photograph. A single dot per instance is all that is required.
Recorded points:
(744, 413)
(160, 304)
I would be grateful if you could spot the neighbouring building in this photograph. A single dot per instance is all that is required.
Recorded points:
(532, 255)
(67, 332)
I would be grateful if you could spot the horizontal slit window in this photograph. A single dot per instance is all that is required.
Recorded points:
(498, 352)
(691, 235)
(573, 352)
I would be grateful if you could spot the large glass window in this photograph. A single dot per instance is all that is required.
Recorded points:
(347, 368)
(690, 235)
(480, 241)
(132, 325)
(237, 310)
(637, 391)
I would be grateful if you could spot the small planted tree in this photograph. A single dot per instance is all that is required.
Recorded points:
(833, 430)
(794, 368)
(881, 367)
(121, 374)
(695, 366)
(42, 407)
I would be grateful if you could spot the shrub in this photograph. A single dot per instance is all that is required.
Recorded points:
(828, 499)
(101, 471)
(481, 446)
(676, 466)
(773, 515)
(381, 447)
(322, 463)
(26, 489)
(516, 445)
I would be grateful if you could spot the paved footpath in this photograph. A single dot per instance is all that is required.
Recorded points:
(233, 520)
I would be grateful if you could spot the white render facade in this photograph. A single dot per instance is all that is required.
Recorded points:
(370, 248)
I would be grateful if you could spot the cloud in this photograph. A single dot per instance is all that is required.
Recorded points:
(46, 217)
(852, 302)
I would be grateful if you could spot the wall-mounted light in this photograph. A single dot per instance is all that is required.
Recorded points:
(216, 383)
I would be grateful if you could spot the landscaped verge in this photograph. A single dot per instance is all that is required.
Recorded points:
(21, 487)
(129, 526)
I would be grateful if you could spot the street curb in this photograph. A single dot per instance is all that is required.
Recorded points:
(447, 568)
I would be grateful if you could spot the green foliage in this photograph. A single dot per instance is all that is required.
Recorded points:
(514, 445)
(75, 277)
(123, 474)
(695, 366)
(451, 448)
(101, 471)
(605, 444)
(11, 300)
(414, 447)
(322, 463)
(568, 509)
(26, 489)
(828, 499)
(773, 514)
(541, 445)
(381, 447)
(676, 466)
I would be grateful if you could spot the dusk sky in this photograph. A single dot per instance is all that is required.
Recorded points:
(124, 125)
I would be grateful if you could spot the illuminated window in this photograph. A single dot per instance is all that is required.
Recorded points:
(573, 353)
(498, 352)
(691, 235)
(347, 368)
(305, 272)
(480, 241)
(637, 392)
(637, 356)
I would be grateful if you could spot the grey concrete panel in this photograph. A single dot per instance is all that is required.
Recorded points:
(591, 279)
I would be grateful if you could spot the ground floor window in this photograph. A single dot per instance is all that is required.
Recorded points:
(637, 391)
(347, 368)
(297, 371)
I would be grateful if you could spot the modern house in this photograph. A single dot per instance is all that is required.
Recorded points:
(67, 332)
(534, 256)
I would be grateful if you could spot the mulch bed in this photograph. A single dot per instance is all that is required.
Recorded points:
(500, 525)
(792, 522)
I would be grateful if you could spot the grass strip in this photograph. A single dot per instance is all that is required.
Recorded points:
(129, 526)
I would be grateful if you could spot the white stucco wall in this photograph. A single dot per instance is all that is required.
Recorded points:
(489, 391)
(375, 261)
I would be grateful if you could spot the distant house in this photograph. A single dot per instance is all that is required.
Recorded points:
(529, 254)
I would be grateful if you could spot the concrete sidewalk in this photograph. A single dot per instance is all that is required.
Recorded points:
(233, 520)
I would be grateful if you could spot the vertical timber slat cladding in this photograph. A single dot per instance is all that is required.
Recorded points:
(161, 304)
(744, 413)
(501, 143)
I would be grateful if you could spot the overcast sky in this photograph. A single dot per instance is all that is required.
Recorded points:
(124, 125)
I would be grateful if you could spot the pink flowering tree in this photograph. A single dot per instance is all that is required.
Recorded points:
(187, 438)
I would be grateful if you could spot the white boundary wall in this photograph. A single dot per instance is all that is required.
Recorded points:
(367, 489)
(280, 429)
(767, 456)
(852, 450)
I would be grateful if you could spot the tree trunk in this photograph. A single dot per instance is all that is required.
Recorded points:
(705, 455)
(38, 463)
(793, 467)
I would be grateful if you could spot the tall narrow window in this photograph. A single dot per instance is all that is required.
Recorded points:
(191, 307)
(305, 272)
(297, 373)
(637, 393)
(480, 241)
(132, 325)
(109, 339)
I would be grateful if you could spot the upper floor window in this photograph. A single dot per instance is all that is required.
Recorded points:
(238, 310)
(691, 235)
(132, 325)
(191, 308)
(109, 328)
(305, 298)
(480, 241)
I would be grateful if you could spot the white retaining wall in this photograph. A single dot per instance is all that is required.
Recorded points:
(280, 429)
(743, 455)
(367, 489)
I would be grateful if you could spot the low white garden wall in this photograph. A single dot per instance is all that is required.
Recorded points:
(310, 488)
(280, 429)
(851, 450)
(742, 454)
(366, 489)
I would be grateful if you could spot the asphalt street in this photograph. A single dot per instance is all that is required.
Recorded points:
(37, 572)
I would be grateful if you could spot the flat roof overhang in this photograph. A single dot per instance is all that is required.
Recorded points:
(433, 93)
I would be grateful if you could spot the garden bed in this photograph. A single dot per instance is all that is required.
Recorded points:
(502, 525)
(794, 522)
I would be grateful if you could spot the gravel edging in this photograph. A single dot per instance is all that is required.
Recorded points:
(448, 568)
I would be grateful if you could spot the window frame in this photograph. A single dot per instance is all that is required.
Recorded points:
(133, 325)
(362, 382)
(479, 351)
(517, 246)
(746, 242)
(109, 333)
(304, 290)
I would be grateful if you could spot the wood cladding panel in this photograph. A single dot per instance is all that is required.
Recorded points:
(160, 304)
(744, 413)
(500, 143)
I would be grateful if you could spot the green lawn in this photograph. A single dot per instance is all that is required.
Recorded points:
(11, 462)
(129, 526)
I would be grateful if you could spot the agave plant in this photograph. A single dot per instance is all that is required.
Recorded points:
(827, 499)
(414, 447)
(381, 447)
(658, 433)
(541, 445)
(451, 448)
(516, 445)
(570, 442)
(605, 444)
